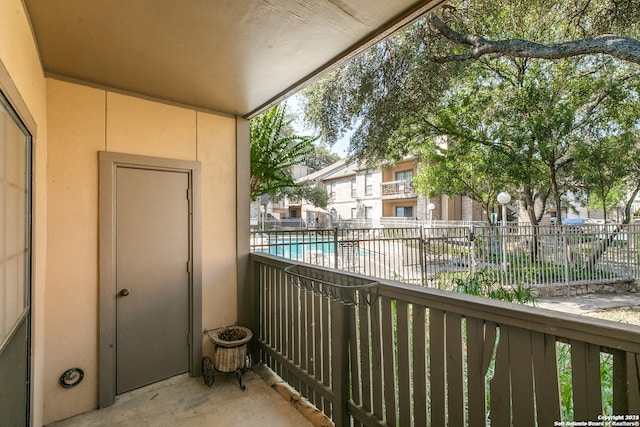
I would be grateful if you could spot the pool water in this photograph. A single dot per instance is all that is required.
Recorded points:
(302, 249)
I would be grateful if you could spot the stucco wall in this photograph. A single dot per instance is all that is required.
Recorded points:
(83, 121)
(217, 154)
(77, 129)
(389, 208)
(22, 76)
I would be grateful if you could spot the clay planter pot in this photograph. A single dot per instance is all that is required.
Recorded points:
(230, 356)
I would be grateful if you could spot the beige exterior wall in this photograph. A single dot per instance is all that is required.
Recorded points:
(22, 80)
(77, 129)
(71, 124)
(83, 121)
(217, 154)
(389, 174)
(389, 208)
(138, 126)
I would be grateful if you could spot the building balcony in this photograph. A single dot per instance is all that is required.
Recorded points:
(398, 190)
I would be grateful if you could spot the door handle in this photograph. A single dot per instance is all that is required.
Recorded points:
(124, 292)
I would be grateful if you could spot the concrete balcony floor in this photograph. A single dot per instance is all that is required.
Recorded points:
(183, 401)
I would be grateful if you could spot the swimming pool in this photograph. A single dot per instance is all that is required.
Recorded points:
(305, 248)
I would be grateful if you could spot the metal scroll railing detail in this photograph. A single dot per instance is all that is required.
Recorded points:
(354, 292)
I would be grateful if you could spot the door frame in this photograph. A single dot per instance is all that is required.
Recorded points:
(109, 163)
(32, 357)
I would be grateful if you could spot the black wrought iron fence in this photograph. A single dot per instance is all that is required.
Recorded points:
(541, 256)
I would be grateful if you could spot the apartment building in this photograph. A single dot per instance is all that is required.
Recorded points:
(374, 195)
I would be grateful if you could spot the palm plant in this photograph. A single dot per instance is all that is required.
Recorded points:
(275, 149)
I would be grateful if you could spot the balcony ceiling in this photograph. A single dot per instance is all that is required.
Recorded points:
(231, 56)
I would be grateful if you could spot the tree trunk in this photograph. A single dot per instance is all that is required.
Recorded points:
(531, 211)
(597, 254)
(556, 193)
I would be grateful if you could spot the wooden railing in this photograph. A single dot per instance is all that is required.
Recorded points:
(419, 356)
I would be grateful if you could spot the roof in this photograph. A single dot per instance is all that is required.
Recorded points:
(230, 56)
(322, 173)
(340, 169)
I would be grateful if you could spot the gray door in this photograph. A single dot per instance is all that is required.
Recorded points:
(152, 277)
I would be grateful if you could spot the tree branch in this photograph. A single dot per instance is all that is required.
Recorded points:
(590, 108)
(620, 47)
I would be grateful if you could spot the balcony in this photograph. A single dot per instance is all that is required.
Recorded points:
(413, 356)
(398, 190)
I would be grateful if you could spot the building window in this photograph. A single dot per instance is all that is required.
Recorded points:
(332, 196)
(353, 188)
(368, 212)
(368, 184)
(404, 211)
(354, 213)
(15, 224)
(406, 176)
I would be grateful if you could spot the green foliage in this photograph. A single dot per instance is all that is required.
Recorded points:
(274, 151)
(510, 123)
(462, 168)
(606, 167)
(317, 195)
(483, 285)
(319, 158)
(563, 354)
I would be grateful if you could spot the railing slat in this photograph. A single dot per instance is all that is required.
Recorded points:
(359, 370)
(340, 382)
(388, 363)
(278, 318)
(376, 360)
(520, 355)
(272, 307)
(317, 344)
(291, 378)
(626, 383)
(500, 385)
(420, 410)
(309, 352)
(365, 358)
(404, 380)
(545, 368)
(620, 385)
(437, 367)
(296, 333)
(633, 382)
(303, 338)
(326, 359)
(475, 350)
(455, 380)
(587, 392)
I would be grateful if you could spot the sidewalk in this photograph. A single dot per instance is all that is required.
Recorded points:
(590, 302)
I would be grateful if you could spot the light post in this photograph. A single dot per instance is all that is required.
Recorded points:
(430, 208)
(503, 199)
